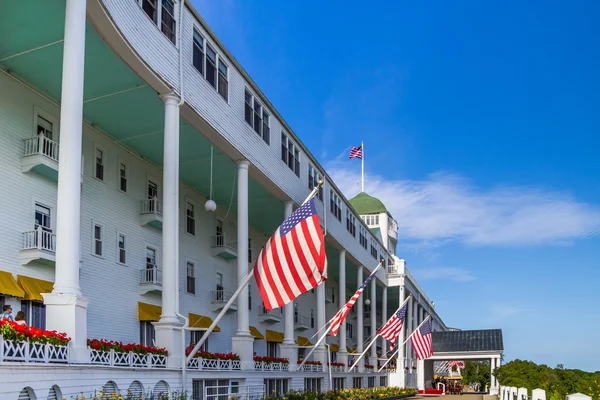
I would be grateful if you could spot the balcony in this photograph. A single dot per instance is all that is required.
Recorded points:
(270, 317)
(151, 280)
(302, 323)
(40, 155)
(224, 246)
(38, 245)
(220, 298)
(152, 213)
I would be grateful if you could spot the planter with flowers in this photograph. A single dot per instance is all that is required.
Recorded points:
(27, 343)
(369, 367)
(113, 353)
(203, 360)
(337, 367)
(311, 366)
(264, 363)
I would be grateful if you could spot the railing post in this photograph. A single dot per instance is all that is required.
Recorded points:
(112, 357)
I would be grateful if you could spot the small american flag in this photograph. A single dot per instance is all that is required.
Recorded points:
(293, 261)
(421, 341)
(458, 363)
(391, 330)
(340, 316)
(356, 152)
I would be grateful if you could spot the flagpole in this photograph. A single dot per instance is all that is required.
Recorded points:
(377, 334)
(398, 349)
(236, 294)
(362, 159)
(329, 328)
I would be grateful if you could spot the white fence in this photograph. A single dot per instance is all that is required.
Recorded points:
(39, 239)
(32, 352)
(513, 393)
(203, 364)
(264, 366)
(117, 359)
(40, 145)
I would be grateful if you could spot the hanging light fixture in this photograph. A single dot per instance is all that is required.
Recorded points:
(210, 205)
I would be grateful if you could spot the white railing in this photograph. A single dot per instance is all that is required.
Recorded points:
(392, 270)
(39, 239)
(221, 296)
(151, 275)
(302, 320)
(202, 364)
(224, 241)
(243, 392)
(40, 145)
(265, 366)
(311, 368)
(134, 360)
(32, 352)
(152, 206)
(337, 368)
(276, 312)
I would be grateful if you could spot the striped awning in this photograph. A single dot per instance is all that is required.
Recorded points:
(256, 333)
(201, 321)
(34, 288)
(304, 342)
(148, 312)
(9, 286)
(274, 336)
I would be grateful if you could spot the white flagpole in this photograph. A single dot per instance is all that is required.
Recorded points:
(377, 335)
(398, 349)
(362, 159)
(235, 295)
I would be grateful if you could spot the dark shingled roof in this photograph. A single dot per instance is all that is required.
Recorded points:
(464, 341)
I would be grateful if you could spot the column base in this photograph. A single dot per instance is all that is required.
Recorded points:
(68, 313)
(421, 374)
(243, 344)
(396, 378)
(169, 336)
(290, 351)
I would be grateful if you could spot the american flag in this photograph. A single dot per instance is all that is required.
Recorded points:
(340, 316)
(293, 261)
(421, 341)
(458, 363)
(356, 152)
(391, 330)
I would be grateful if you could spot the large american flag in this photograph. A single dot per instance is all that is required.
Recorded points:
(356, 152)
(421, 341)
(391, 330)
(340, 316)
(293, 261)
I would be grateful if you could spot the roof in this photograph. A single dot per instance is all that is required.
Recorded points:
(466, 341)
(365, 204)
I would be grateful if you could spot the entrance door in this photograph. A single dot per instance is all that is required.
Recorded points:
(43, 223)
(152, 195)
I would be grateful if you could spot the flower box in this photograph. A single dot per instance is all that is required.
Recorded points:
(27, 343)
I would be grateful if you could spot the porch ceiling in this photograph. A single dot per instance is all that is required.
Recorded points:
(120, 104)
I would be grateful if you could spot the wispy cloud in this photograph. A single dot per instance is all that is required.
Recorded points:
(501, 312)
(445, 273)
(446, 207)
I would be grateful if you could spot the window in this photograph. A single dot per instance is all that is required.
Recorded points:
(223, 82)
(219, 287)
(249, 250)
(312, 384)
(152, 190)
(276, 387)
(249, 298)
(248, 108)
(371, 381)
(168, 19)
(195, 337)
(333, 294)
(198, 52)
(151, 269)
(190, 225)
(350, 223)
(35, 313)
(149, 7)
(98, 236)
(357, 382)
(191, 278)
(266, 134)
(211, 66)
(44, 127)
(272, 349)
(373, 249)
(338, 383)
(214, 389)
(147, 333)
(312, 318)
(363, 237)
(383, 381)
(42, 218)
(123, 177)
(99, 165)
(335, 205)
(314, 176)
(290, 154)
(122, 256)
(349, 330)
(257, 117)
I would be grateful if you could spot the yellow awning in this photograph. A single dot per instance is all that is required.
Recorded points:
(334, 347)
(9, 286)
(201, 321)
(349, 350)
(256, 333)
(34, 287)
(148, 312)
(274, 336)
(302, 341)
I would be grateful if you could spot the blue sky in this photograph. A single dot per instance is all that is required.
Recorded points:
(480, 122)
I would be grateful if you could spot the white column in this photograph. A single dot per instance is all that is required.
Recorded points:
(373, 358)
(167, 329)
(415, 324)
(342, 352)
(289, 349)
(66, 308)
(384, 318)
(242, 341)
(409, 329)
(397, 378)
(359, 318)
(321, 351)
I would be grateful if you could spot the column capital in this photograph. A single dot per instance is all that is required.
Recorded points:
(243, 164)
(170, 98)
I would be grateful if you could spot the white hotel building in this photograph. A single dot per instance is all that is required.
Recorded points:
(119, 119)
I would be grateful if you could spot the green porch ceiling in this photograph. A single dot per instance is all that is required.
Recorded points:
(120, 104)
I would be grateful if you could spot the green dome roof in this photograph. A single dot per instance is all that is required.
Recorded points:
(365, 204)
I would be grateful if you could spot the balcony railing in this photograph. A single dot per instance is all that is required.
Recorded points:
(214, 365)
(224, 246)
(129, 359)
(32, 352)
(312, 368)
(40, 145)
(265, 366)
(302, 322)
(272, 316)
(219, 298)
(152, 206)
(151, 275)
(39, 239)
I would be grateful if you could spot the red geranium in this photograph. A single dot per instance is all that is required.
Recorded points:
(270, 360)
(22, 333)
(108, 345)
